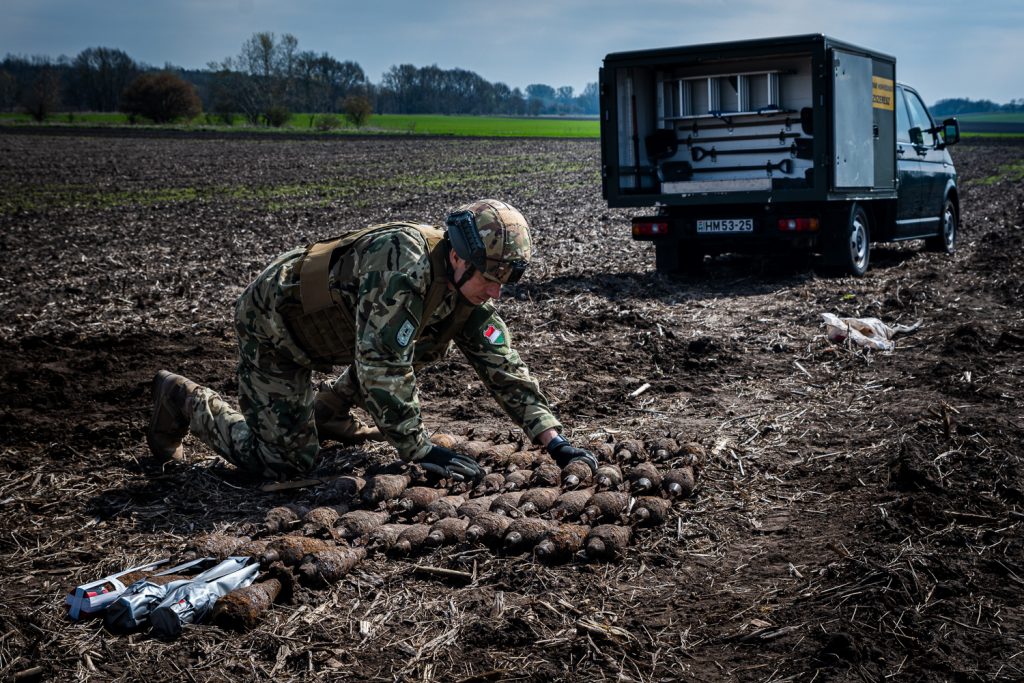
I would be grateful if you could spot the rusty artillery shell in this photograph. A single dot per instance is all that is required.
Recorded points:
(607, 541)
(662, 449)
(321, 520)
(629, 450)
(514, 481)
(538, 500)
(217, 545)
(410, 540)
(381, 539)
(345, 489)
(606, 505)
(474, 506)
(241, 609)
(571, 504)
(449, 441)
(651, 510)
(679, 483)
(526, 532)
(447, 531)
(445, 506)
(487, 527)
(285, 517)
(603, 450)
(360, 522)
(561, 543)
(329, 566)
(253, 548)
(644, 477)
(290, 550)
(491, 483)
(417, 498)
(577, 473)
(546, 474)
(521, 460)
(693, 454)
(507, 503)
(474, 449)
(383, 487)
(609, 476)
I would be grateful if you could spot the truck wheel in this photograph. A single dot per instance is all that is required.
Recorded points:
(850, 252)
(945, 242)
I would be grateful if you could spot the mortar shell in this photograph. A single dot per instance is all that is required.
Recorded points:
(344, 489)
(609, 476)
(576, 473)
(630, 450)
(514, 481)
(679, 482)
(644, 477)
(329, 566)
(521, 460)
(474, 449)
(217, 545)
(605, 505)
(291, 549)
(449, 441)
(474, 506)
(651, 510)
(322, 519)
(547, 474)
(526, 532)
(443, 507)
(560, 544)
(693, 454)
(488, 528)
(253, 548)
(383, 487)
(491, 483)
(571, 504)
(417, 498)
(507, 503)
(603, 450)
(538, 500)
(241, 609)
(663, 449)
(410, 540)
(447, 531)
(607, 541)
(284, 518)
(383, 537)
(360, 522)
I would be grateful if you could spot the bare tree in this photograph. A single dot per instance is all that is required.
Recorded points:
(161, 97)
(100, 74)
(43, 97)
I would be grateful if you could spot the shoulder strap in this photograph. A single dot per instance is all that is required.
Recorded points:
(438, 271)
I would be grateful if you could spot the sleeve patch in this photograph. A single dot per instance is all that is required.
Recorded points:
(404, 335)
(494, 335)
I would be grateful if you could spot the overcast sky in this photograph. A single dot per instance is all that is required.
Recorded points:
(946, 48)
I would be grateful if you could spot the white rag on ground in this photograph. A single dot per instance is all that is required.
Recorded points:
(871, 333)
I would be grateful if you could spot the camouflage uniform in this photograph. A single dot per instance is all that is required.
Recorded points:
(383, 279)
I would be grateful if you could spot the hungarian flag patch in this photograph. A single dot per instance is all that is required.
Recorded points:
(494, 335)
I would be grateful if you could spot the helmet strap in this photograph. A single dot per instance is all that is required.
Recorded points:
(470, 269)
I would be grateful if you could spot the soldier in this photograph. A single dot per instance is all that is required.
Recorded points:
(385, 301)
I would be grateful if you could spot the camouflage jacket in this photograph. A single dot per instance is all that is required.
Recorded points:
(384, 279)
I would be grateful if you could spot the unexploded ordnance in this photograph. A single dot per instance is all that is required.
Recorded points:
(447, 531)
(561, 543)
(546, 474)
(321, 520)
(491, 483)
(629, 450)
(475, 506)
(360, 522)
(606, 505)
(329, 566)
(663, 449)
(651, 510)
(343, 489)
(576, 473)
(609, 476)
(241, 609)
(381, 539)
(217, 545)
(290, 550)
(571, 504)
(285, 517)
(449, 441)
(607, 541)
(507, 503)
(679, 482)
(603, 450)
(416, 498)
(410, 540)
(644, 477)
(517, 480)
(384, 487)
(538, 500)
(487, 527)
(445, 506)
(693, 454)
(525, 532)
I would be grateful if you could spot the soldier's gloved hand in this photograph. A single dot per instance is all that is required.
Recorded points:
(564, 453)
(451, 465)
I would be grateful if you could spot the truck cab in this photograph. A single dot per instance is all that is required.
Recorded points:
(801, 142)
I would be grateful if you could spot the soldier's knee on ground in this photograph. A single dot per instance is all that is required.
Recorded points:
(334, 420)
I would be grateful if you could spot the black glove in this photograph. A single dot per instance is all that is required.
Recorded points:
(564, 453)
(451, 465)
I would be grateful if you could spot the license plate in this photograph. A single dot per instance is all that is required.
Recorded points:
(726, 225)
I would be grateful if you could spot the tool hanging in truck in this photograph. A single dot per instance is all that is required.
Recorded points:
(663, 143)
(700, 153)
(684, 170)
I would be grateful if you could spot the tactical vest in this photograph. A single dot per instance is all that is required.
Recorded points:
(321, 322)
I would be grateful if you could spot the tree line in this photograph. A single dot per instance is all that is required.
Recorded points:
(266, 82)
(963, 105)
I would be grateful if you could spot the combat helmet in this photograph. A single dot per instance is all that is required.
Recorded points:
(493, 237)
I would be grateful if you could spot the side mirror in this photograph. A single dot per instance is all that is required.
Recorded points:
(950, 131)
(916, 135)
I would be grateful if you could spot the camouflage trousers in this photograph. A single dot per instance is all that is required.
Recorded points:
(273, 433)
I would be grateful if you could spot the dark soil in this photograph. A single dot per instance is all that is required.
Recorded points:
(859, 516)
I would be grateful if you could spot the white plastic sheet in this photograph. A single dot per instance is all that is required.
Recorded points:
(869, 333)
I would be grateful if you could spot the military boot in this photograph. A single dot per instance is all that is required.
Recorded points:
(335, 421)
(171, 415)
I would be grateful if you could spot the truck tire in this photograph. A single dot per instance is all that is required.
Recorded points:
(945, 241)
(850, 252)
